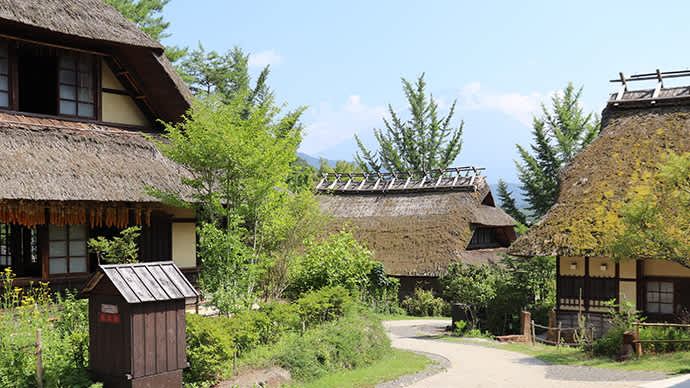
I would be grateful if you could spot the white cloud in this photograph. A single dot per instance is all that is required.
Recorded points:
(329, 126)
(264, 58)
(518, 106)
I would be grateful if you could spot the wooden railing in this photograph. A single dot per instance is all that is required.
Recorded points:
(638, 342)
(560, 338)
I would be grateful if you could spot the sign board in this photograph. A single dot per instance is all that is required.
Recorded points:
(108, 318)
(109, 308)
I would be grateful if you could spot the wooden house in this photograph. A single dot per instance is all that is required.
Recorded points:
(81, 91)
(638, 127)
(417, 223)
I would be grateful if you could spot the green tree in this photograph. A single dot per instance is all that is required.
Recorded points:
(508, 203)
(472, 285)
(424, 142)
(226, 75)
(656, 221)
(119, 250)
(146, 14)
(559, 134)
(238, 161)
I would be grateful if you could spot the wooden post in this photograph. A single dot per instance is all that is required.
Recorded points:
(525, 320)
(591, 342)
(636, 337)
(558, 339)
(39, 359)
(551, 334)
(533, 335)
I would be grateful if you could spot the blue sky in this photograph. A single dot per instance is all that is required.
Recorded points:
(499, 60)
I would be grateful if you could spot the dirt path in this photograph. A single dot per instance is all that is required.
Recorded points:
(478, 366)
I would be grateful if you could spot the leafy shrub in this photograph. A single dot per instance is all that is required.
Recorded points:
(610, 344)
(424, 303)
(665, 333)
(460, 327)
(350, 342)
(324, 305)
(382, 291)
(338, 260)
(621, 318)
(209, 345)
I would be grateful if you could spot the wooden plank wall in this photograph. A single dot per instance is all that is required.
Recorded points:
(158, 338)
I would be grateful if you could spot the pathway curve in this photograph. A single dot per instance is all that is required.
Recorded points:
(479, 366)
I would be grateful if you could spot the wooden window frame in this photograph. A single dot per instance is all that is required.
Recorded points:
(5, 241)
(94, 69)
(68, 257)
(13, 84)
(673, 296)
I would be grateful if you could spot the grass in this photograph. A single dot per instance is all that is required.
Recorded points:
(397, 363)
(678, 362)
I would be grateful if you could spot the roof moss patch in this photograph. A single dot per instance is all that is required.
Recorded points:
(601, 178)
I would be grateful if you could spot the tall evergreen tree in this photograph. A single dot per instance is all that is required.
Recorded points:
(558, 135)
(424, 142)
(508, 203)
(146, 14)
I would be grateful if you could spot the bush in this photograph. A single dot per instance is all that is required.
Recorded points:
(610, 344)
(209, 346)
(621, 318)
(350, 342)
(665, 333)
(423, 303)
(324, 305)
(338, 260)
(382, 291)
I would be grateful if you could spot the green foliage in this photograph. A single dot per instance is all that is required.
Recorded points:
(610, 344)
(424, 142)
(621, 318)
(381, 294)
(238, 157)
(119, 250)
(425, 304)
(559, 134)
(656, 221)
(338, 259)
(472, 285)
(303, 176)
(64, 333)
(213, 342)
(665, 333)
(351, 342)
(508, 203)
(460, 327)
(323, 305)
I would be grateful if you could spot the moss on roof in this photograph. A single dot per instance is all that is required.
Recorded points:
(600, 179)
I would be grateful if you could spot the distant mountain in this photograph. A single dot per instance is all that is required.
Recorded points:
(313, 161)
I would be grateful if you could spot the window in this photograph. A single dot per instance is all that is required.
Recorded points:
(483, 238)
(77, 85)
(4, 75)
(67, 249)
(660, 297)
(5, 254)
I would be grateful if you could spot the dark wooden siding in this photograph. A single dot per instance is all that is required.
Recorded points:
(158, 337)
(155, 241)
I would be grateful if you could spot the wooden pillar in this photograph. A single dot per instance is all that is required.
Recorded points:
(558, 283)
(586, 293)
(551, 333)
(525, 320)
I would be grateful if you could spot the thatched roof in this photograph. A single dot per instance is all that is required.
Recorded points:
(58, 160)
(94, 26)
(418, 233)
(596, 183)
(90, 19)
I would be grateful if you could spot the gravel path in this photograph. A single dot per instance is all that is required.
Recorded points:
(479, 366)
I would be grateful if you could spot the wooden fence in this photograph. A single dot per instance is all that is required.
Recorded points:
(37, 350)
(587, 338)
(638, 342)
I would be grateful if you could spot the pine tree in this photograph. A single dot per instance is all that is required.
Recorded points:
(424, 142)
(508, 202)
(558, 135)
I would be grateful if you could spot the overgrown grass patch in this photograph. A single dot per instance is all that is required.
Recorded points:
(396, 363)
(678, 362)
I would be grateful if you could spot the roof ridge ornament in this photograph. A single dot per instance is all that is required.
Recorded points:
(455, 178)
(652, 96)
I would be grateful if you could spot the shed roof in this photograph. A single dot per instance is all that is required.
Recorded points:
(59, 160)
(597, 181)
(419, 232)
(144, 282)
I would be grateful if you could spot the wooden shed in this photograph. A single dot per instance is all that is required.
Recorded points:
(137, 324)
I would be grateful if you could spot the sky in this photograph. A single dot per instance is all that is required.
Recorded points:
(499, 60)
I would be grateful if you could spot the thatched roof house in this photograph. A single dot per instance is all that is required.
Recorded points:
(638, 128)
(418, 223)
(81, 93)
